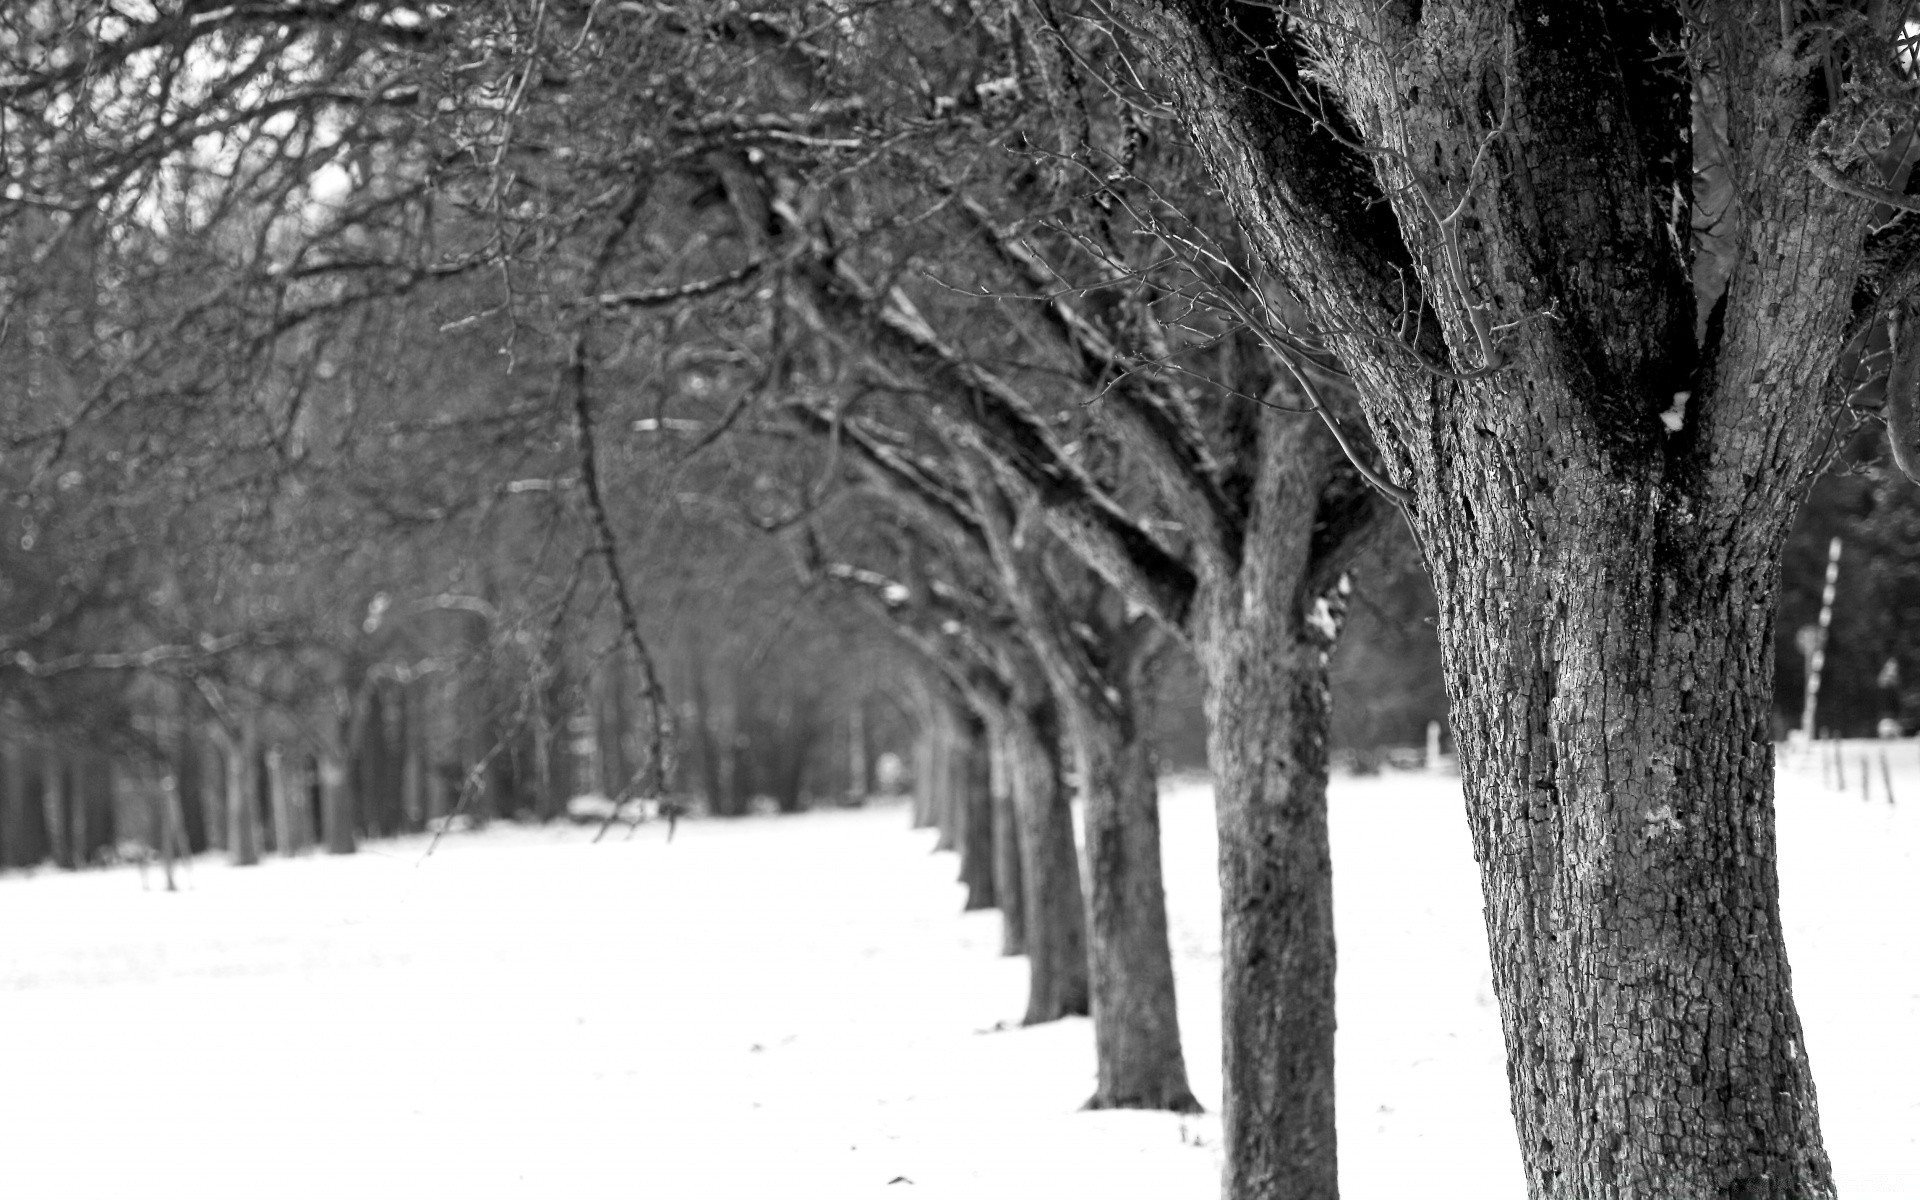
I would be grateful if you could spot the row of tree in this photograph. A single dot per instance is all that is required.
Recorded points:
(1053, 339)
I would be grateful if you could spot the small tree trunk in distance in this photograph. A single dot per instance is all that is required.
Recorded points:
(13, 802)
(169, 838)
(336, 805)
(1009, 888)
(419, 764)
(213, 790)
(33, 837)
(188, 770)
(859, 773)
(242, 797)
(94, 781)
(949, 794)
(62, 821)
(280, 798)
(1056, 918)
(12, 784)
(976, 800)
(924, 771)
(611, 724)
(706, 746)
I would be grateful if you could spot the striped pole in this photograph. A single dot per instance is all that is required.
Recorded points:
(1818, 658)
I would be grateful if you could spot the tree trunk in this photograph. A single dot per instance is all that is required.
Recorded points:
(213, 791)
(924, 771)
(286, 837)
(336, 805)
(188, 769)
(243, 797)
(418, 782)
(610, 729)
(1601, 473)
(976, 802)
(168, 826)
(1614, 743)
(1135, 1017)
(1009, 888)
(947, 812)
(94, 792)
(1135, 1014)
(66, 825)
(706, 745)
(15, 800)
(1056, 922)
(12, 784)
(1267, 706)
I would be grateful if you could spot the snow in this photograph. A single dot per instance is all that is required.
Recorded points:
(795, 1007)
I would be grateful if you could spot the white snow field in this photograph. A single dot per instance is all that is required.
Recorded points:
(795, 1007)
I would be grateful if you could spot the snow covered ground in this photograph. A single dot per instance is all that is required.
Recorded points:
(794, 1007)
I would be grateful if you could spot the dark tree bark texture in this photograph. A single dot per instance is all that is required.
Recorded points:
(1487, 210)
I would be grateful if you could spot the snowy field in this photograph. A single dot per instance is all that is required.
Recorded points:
(794, 1007)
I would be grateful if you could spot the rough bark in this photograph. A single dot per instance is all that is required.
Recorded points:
(1601, 487)
(1611, 673)
(1135, 1017)
(1265, 672)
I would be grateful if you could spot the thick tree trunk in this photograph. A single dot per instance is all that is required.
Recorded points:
(1009, 889)
(1267, 708)
(1601, 474)
(1055, 909)
(1614, 741)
